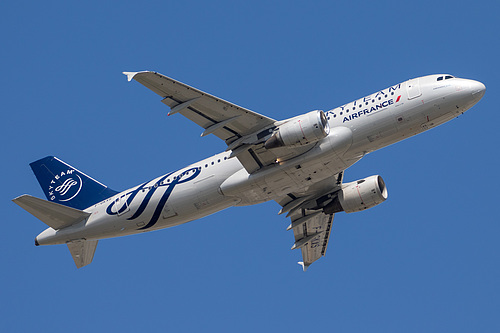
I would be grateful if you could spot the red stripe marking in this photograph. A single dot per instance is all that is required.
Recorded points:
(303, 134)
(399, 97)
(359, 195)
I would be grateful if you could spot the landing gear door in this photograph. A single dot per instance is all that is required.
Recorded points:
(413, 88)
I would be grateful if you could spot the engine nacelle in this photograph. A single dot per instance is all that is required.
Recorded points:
(359, 195)
(299, 131)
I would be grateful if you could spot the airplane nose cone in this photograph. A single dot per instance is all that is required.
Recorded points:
(477, 89)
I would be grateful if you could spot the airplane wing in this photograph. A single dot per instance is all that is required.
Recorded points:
(224, 119)
(244, 131)
(312, 232)
(310, 224)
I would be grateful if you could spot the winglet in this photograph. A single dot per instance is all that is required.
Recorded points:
(130, 75)
(304, 267)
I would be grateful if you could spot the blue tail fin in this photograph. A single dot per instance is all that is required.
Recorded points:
(68, 186)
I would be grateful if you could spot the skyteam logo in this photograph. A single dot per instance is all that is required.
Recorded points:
(65, 186)
(162, 186)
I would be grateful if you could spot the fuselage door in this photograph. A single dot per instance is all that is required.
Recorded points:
(413, 88)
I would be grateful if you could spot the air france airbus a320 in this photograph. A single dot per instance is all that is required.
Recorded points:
(297, 162)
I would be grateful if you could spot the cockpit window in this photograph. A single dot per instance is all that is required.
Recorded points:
(448, 77)
(440, 78)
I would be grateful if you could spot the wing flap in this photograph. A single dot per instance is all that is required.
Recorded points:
(52, 214)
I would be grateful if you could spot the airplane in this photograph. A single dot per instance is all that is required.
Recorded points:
(297, 162)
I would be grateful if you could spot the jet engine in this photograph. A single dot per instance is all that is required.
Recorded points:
(359, 195)
(299, 131)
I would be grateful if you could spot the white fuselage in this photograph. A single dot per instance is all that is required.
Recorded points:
(219, 182)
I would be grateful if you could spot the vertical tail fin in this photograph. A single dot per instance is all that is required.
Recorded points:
(68, 186)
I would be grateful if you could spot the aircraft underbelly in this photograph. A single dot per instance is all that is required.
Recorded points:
(282, 180)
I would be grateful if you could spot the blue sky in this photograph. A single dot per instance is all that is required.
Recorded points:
(425, 260)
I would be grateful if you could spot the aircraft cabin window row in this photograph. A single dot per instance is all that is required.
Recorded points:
(166, 181)
(354, 107)
(213, 162)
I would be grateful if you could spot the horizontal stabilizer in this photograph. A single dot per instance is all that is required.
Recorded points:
(52, 214)
(82, 251)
